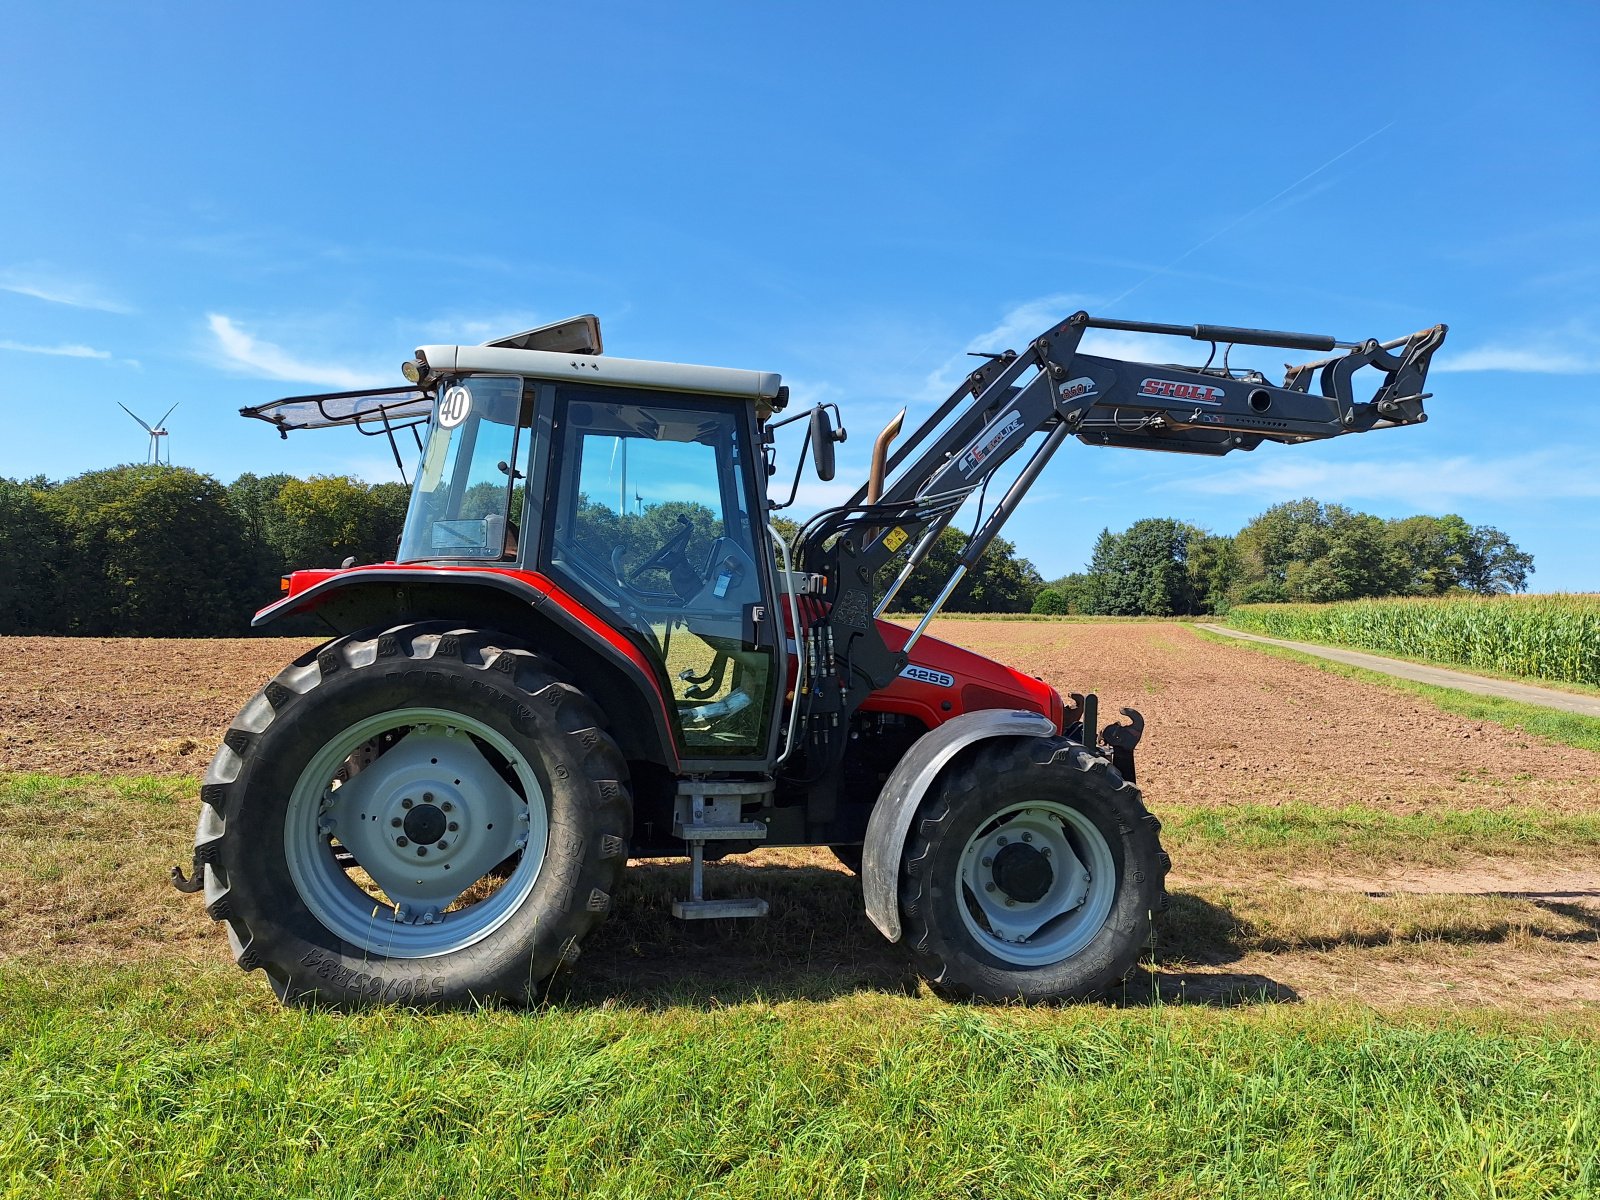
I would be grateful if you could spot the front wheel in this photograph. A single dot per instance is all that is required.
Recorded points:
(422, 815)
(1034, 872)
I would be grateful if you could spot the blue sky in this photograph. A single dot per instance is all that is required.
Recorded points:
(217, 205)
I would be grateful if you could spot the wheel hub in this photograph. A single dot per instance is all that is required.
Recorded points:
(1022, 872)
(425, 823)
(427, 820)
(1025, 887)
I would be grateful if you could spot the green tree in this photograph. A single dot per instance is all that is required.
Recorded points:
(999, 582)
(1050, 602)
(1146, 570)
(1071, 593)
(30, 559)
(254, 500)
(389, 504)
(321, 521)
(1495, 564)
(151, 550)
(1213, 567)
(1305, 550)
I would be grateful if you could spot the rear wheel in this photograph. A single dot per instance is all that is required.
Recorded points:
(422, 815)
(1033, 872)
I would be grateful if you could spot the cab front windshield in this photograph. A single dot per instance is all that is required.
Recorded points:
(467, 500)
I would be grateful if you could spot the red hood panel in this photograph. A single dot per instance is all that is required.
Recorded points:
(943, 681)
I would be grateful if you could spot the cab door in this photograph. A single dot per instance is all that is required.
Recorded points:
(652, 514)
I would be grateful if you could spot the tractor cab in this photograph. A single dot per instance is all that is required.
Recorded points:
(637, 501)
(636, 488)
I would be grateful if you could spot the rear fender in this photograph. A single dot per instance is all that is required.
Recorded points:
(902, 795)
(614, 673)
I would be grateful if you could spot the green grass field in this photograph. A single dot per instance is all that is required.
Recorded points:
(795, 1059)
(142, 1082)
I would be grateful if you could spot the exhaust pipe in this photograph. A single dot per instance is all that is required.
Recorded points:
(880, 456)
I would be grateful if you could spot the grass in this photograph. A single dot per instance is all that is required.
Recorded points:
(130, 1083)
(1354, 831)
(795, 1057)
(1554, 725)
(1554, 638)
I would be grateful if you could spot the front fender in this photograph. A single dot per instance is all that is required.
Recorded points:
(902, 795)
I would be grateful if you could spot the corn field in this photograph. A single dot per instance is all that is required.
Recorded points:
(1554, 637)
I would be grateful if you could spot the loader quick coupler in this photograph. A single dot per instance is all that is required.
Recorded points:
(1121, 740)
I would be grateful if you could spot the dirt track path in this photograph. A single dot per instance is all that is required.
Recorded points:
(1527, 693)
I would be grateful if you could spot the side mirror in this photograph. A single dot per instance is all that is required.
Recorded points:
(822, 439)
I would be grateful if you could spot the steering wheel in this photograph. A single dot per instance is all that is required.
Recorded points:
(669, 556)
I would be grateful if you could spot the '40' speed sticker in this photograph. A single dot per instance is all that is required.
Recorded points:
(455, 407)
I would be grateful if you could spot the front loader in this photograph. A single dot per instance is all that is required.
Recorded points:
(593, 646)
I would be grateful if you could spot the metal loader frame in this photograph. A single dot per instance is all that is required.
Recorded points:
(1052, 389)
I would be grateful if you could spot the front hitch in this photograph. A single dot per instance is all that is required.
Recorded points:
(1121, 740)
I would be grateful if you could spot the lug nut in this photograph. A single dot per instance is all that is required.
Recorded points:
(422, 851)
(1045, 852)
(988, 860)
(406, 803)
(447, 806)
(1027, 837)
(1011, 903)
(400, 841)
(1001, 840)
(988, 887)
(454, 825)
(427, 797)
(442, 844)
(395, 821)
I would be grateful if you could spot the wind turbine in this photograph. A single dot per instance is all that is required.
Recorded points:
(156, 432)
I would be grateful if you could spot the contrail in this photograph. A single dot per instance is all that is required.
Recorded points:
(1234, 224)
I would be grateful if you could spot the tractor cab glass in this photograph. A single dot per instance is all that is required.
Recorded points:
(651, 519)
(468, 496)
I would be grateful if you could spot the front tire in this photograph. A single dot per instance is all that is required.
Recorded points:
(424, 815)
(1034, 872)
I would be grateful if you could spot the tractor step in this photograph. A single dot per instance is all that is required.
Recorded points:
(704, 910)
(710, 810)
(746, 831)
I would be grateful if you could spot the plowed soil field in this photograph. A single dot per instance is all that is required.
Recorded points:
(1225, 724)
(1227, 727)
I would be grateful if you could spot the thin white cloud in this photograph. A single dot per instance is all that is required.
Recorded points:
(1569, 348)
(1019, 325)
(1522, 359)
(69, 350)
(43, 285)
(250, 355)
(1420, 482)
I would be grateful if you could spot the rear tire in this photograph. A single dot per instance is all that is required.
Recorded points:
(514, 797)
(1033, 872)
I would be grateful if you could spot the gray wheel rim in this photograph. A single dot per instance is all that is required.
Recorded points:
(1072, 881)
(426, 820)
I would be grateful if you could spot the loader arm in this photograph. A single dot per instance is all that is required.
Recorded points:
(1053, 389)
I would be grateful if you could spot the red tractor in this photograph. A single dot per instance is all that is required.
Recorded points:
(593, 646)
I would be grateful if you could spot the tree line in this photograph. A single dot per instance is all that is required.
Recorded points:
(1302, 551)
(159, 550)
